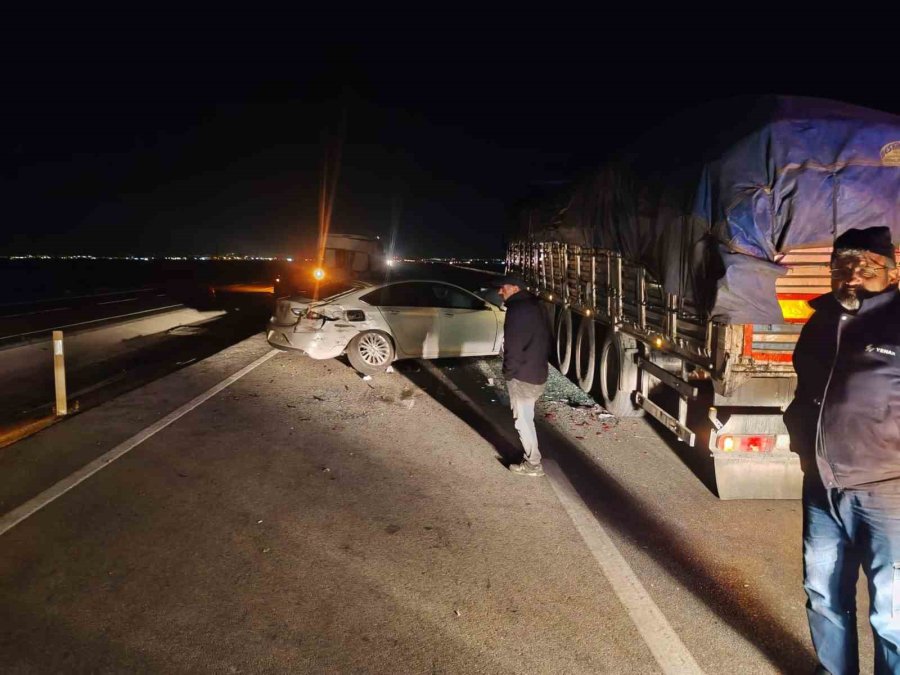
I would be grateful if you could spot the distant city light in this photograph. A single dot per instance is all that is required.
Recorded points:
(390, 261)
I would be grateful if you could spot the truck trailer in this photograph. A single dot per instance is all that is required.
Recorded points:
(676, 277)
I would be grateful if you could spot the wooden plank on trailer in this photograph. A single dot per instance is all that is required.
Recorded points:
(776, 337)
(821, 271)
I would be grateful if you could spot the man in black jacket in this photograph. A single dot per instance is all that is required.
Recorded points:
(526, 345)
(844, 423)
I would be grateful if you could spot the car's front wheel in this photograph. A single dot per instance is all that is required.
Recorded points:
(370, 352)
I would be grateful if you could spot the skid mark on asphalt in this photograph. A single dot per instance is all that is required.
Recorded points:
(32, 506)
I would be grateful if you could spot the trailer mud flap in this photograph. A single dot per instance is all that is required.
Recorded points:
(762, 476)
(752, 456)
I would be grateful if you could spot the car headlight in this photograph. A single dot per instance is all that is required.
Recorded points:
(296, 311)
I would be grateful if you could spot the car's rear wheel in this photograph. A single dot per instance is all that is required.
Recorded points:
(370, 352)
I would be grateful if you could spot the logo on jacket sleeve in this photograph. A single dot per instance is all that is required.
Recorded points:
(890, 154)
(880, 350)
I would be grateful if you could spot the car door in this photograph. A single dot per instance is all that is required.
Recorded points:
(468, 325)
(412, 319)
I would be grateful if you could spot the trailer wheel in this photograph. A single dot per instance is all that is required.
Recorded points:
(564, 341)
(618, 376)
(586, 354)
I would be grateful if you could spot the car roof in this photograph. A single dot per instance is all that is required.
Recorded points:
(357, 293)
(420, 281)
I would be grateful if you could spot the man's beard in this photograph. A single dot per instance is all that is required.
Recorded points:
(848, 298)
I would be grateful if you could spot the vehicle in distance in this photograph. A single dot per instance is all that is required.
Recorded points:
(378, 324)
(344, 258)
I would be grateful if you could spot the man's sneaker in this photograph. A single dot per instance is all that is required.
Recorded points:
(526, 468)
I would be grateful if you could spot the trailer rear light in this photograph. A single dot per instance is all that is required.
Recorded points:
(746, 443)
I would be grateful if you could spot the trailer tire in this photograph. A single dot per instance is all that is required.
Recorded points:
(586, 354)
(618, 376)
(563, 334)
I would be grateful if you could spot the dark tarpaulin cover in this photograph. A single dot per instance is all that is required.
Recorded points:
(708, 202)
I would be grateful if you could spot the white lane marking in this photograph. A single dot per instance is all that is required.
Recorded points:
(662, 640)
(664, 643)
(16, 516)
(115, 302)
(84, 323)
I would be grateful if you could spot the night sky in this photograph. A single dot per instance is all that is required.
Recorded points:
(195, 133)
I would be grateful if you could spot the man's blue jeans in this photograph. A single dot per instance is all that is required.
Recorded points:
(844, 530)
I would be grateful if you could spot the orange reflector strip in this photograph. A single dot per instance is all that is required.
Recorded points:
(795, 310)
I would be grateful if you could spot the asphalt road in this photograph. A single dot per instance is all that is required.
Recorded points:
(118, 352)
(118, 340)
(21, 323)
(302, 519)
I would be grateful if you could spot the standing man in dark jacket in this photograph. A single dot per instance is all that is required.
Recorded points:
(526, 345)
(845, 425)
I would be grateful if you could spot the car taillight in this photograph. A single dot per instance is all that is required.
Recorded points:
(745, 443)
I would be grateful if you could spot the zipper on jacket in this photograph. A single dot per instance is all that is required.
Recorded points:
(820, 430)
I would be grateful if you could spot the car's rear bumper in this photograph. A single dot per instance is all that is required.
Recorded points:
(315, 344)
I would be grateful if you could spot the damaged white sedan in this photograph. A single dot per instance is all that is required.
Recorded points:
(377, 325)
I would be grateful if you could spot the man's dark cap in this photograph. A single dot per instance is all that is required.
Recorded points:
(874, 239)
(511, 279)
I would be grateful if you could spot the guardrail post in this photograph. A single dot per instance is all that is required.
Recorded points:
(59, 373)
